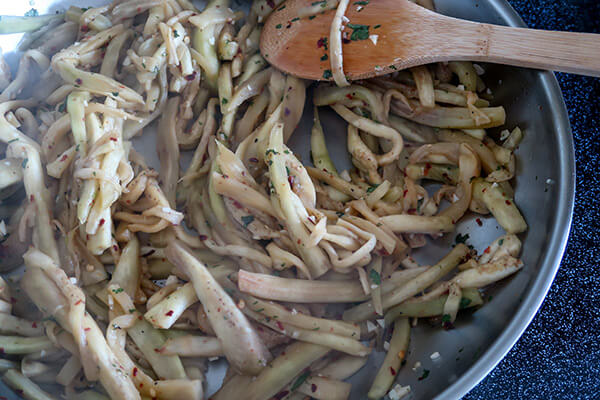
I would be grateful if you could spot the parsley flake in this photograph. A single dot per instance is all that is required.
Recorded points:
(359, 32)
(375, 277)
(300, 380)
(247, 220)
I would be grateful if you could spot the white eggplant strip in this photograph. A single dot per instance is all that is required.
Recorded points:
(393, 359)
(241, 345)
(193, 346)
(333, 341)
(283, 369)
(420, 282)
(304, 291)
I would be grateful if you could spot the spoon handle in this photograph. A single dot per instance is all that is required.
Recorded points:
(577, 53)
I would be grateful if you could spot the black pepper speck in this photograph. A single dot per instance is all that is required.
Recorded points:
(558, 357)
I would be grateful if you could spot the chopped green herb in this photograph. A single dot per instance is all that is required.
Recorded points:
(270, 151)
(500, 242)
(286, 151)
(375, 277)
(359, 32)
(260, 310)
(300, 380)
(13, 140)
(377, 26)
(361, 3)
(425, 374)
(372, 188)
(323, 3)
(327, 74)
(3, 239)
(312, 17)
(287, 170)
(119, 290)
(132, 310)
(295, 19)
(461, 238)
(446, 318)
(175, 33)
(464, 302)
(324, 57)
(63, 106)
(24, 163)
(247, 219)
(115, 94)
(32, 13)
(281, 8)
(278, 26)
(224, 101)
(339, 214)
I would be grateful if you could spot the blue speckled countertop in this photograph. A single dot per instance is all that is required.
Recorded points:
(558, 356)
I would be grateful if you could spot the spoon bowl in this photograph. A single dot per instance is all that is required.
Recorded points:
(383, 36)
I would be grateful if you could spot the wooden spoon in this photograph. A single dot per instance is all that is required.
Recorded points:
(409, 35)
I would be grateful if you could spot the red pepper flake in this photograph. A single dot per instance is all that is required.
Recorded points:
(1, 350)
(291, 180)
(135, 371)
(114, 139)
(313, 388)
(63, 158)
(279, 325)
(157, 350)
(101, 222)
(31, 198)
(219, 309)
(87, 329)
(483, 190)
(169, 313)
(478, 221)
(405, 193)
(237, 205)
(392, 371)
(84, 28)
(320, 42)
(115, 247)
(13, 300)
(191, 76)
(78, 81)
(299, 241)
(34, 325)
(253, 159)
(349, 96)
(271, 3)
(139, 9)
(487, 250)
(141, 385)
(508, 203)
(78, 302)
(427, 168)
(202, 237)
(281, 395)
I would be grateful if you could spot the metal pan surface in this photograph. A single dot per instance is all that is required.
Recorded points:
(544, 190)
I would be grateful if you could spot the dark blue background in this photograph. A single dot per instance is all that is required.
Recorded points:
(558, 356)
